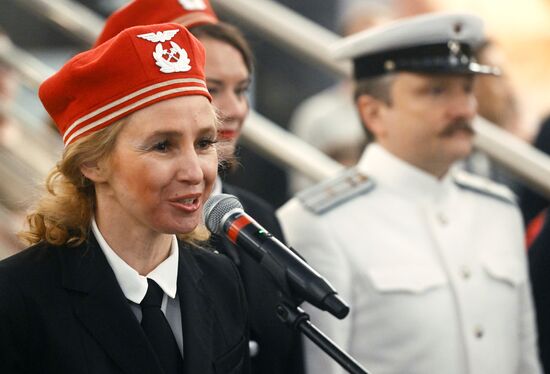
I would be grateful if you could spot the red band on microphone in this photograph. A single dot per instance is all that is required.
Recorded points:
(236, 227)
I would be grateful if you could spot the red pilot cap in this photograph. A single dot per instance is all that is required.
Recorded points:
(188, 13)
(139, 67)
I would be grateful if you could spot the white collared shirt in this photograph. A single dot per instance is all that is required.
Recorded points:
(435, 275)
(134, 286)
(218, 187)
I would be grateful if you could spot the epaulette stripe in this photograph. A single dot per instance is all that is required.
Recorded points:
(485, 187)
(329, 194)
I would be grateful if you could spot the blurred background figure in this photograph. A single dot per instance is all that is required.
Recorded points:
(496, 96)
(11, 216)
(8, 81)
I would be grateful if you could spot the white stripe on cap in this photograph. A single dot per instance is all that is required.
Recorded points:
(129, 108)
(126, 98)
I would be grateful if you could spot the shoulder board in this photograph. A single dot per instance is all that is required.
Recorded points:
(331, 193)
(484, 186)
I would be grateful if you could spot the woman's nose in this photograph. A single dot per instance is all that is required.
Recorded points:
(189, 168)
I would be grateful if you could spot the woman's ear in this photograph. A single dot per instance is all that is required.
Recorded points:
(371, 111)
(94, 171)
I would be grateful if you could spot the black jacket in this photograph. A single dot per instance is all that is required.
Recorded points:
(62, 311)
(280, 348)
(539, 269)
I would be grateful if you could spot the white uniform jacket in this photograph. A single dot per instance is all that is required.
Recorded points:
(434, 270)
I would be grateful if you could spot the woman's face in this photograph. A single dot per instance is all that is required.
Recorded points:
(228, 80)
(162, 168)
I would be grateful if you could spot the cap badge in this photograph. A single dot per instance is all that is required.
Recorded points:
(193, 4)
(176, 59)
(454, 47)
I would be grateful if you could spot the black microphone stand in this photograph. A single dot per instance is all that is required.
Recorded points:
(295, 318)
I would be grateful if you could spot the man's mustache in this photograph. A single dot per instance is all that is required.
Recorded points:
(459, 125)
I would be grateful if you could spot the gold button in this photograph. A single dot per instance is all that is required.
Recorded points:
(478, 332)
(389, 65)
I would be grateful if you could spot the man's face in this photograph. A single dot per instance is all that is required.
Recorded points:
(428, 121)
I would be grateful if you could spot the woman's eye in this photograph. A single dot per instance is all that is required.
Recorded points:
(241, 91)
(161, 146)
(205, 143)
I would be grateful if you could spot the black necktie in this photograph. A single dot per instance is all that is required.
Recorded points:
(158, 330)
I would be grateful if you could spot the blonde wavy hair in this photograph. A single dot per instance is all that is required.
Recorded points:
(64, 212)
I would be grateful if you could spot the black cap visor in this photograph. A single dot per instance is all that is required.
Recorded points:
(443, 58)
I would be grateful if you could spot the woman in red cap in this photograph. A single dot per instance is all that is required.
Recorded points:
(115, 281)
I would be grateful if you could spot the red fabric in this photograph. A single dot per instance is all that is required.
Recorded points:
(147, 12)
(534, 227)
(123, 68)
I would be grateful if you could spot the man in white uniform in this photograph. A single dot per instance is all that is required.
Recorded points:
(431, 260)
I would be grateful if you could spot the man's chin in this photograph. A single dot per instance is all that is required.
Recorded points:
(460, 145)
(462, 152)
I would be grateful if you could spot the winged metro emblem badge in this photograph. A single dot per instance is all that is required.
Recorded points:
(172, 60)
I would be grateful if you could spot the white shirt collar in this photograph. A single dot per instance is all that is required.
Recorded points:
(134, 285)
(390, 171)
(217, 189)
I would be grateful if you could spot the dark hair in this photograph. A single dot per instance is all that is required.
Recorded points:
(228, 34)
(378, 87)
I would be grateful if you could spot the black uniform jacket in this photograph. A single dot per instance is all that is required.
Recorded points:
(539, 266)
(279, 347)
(62, 311)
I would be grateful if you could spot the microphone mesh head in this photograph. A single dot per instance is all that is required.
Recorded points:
(216, 208)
